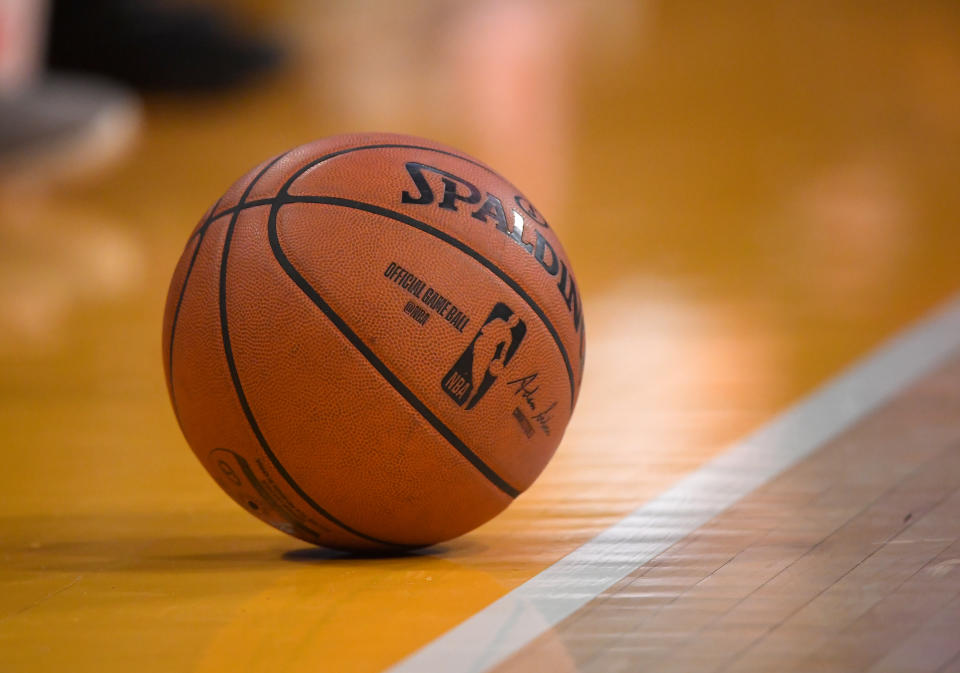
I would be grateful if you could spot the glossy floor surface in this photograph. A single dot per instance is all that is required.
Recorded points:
(754, 196)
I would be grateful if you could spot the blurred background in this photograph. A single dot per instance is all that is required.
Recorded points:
(753, 195)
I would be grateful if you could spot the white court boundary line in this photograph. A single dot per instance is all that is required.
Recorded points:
(511, 622)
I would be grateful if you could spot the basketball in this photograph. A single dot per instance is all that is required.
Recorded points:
(373, 342)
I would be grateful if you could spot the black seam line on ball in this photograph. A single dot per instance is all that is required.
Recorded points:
(243, 205)
(459, 245)
(377, 363)
(384, 146)
(238, 387)
(201, 231)
(284, 196)
(246, 205)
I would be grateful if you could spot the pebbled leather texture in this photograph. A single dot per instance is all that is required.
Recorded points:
(373, 342)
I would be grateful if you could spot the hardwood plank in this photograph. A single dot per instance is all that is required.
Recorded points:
(864, 530)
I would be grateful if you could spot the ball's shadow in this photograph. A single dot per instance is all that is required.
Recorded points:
(127, 542)
(321, 554)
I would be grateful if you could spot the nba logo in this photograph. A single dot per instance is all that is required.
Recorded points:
(481, 363)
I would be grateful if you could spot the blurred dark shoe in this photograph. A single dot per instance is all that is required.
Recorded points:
(61, 127)
(153, 45)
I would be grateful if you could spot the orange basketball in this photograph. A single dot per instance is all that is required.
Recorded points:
(373, 341)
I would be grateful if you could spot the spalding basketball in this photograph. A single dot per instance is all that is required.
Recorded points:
(373, 342)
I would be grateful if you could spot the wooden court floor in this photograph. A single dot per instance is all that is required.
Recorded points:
(763, 472)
